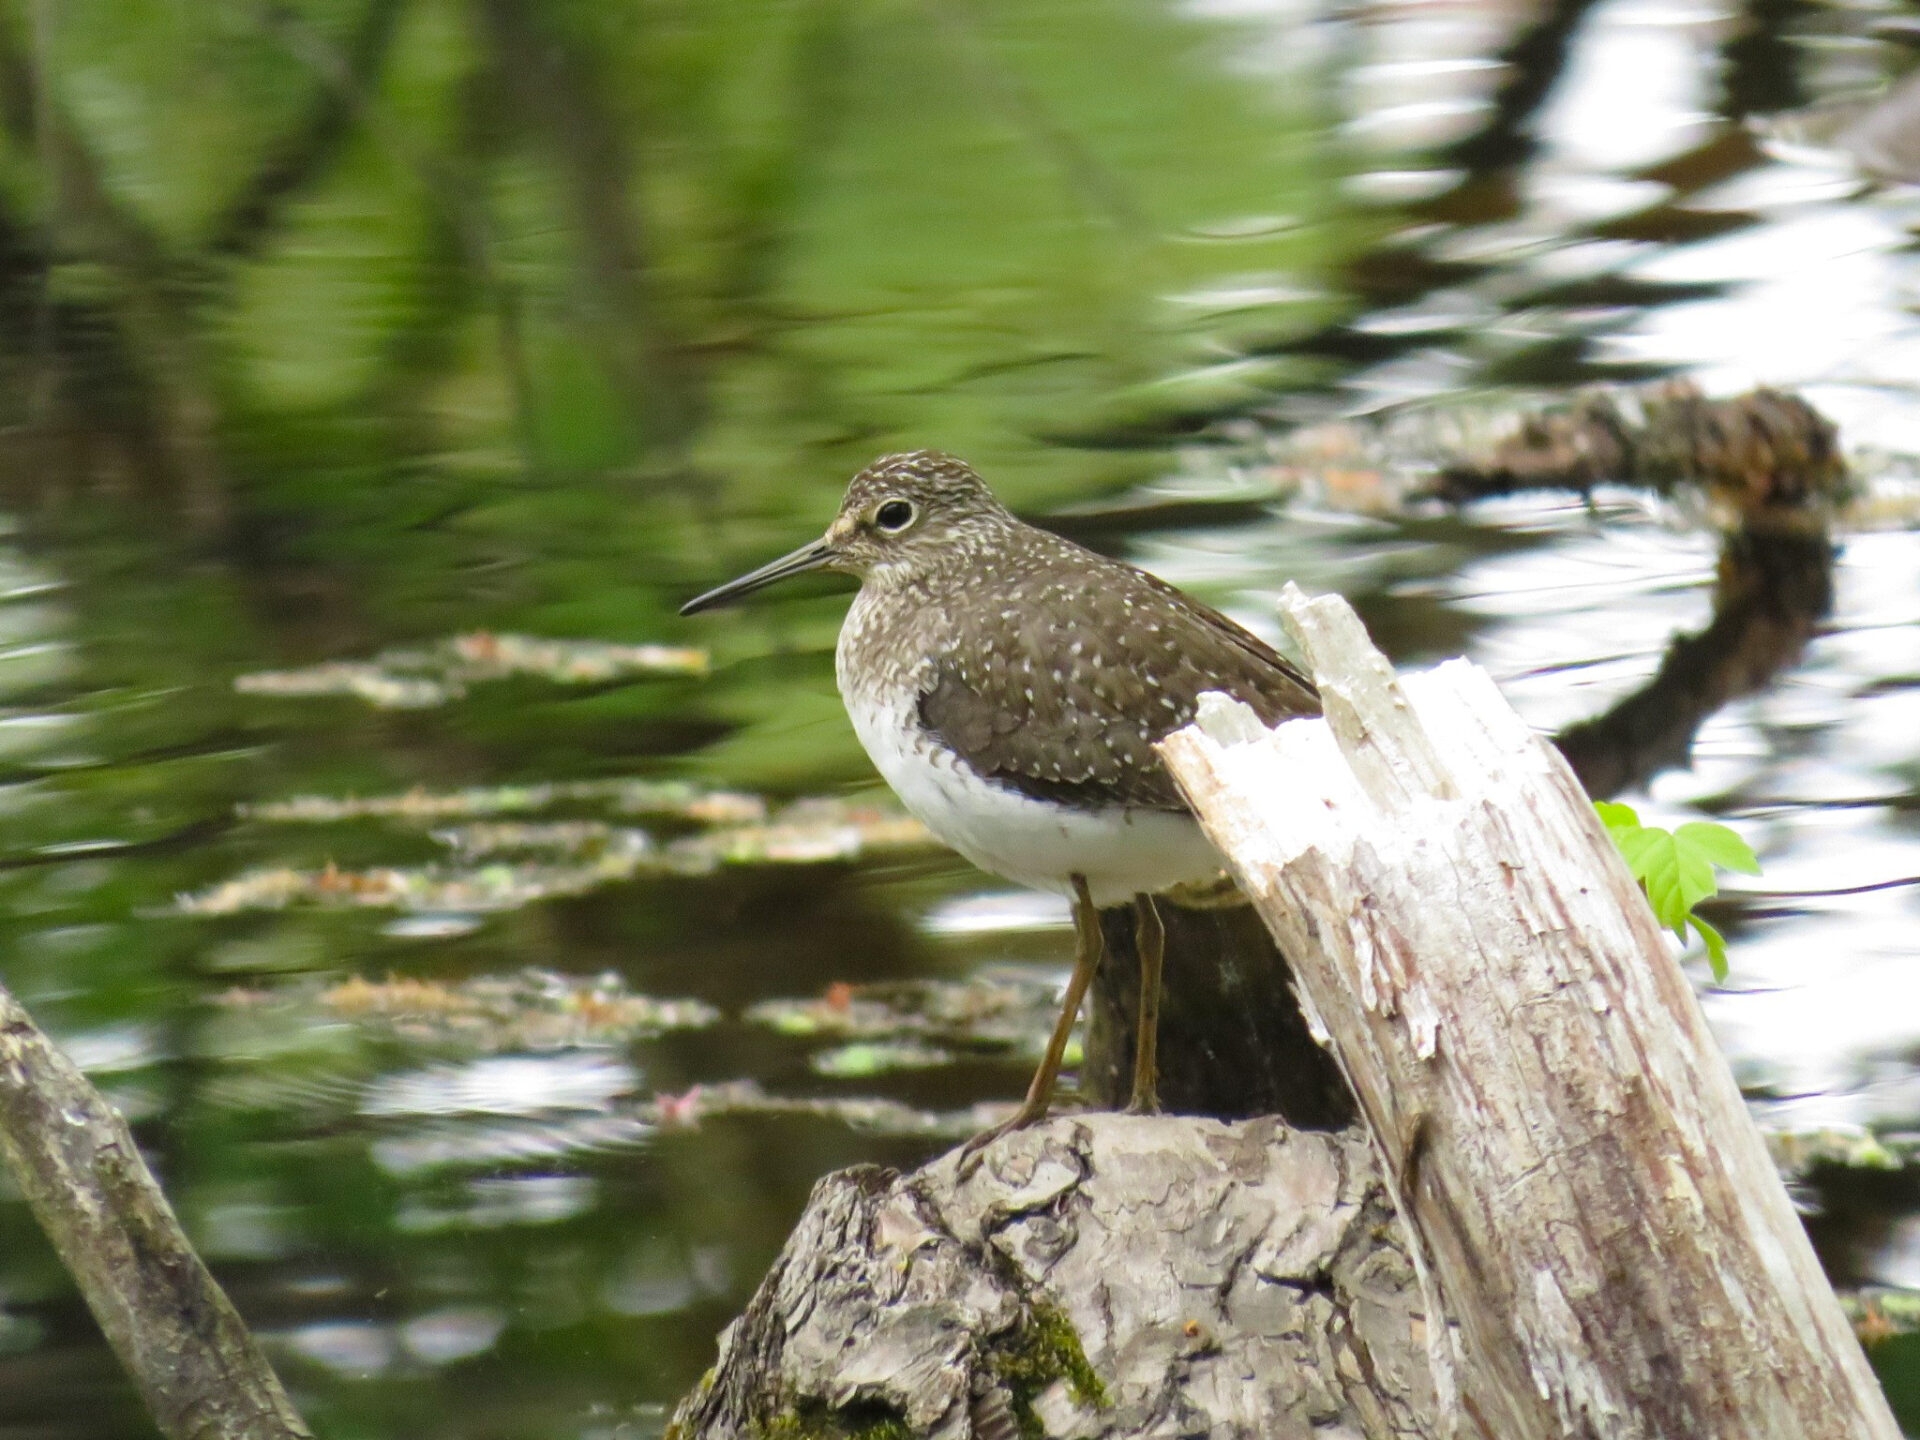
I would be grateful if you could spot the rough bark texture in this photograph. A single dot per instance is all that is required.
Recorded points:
(1568, 1145)
(1098, 1276)
(175, 1331)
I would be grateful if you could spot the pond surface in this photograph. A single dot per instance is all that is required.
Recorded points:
(489, 976)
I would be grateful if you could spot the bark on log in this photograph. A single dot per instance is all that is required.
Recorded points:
(1098, 1276)
(179, 1337)
(1568, 1146)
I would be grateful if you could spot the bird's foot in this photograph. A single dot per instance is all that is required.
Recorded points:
(1143, 1104)
(974, 1151)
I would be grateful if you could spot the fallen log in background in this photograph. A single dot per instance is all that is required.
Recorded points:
(1565, 1141)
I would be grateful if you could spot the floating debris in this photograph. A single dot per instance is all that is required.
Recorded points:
(530, 1010)
(417, 679)
(865, 1058)
(876, 1116)
(436, 889)
(1797, 1152)
(806, 832)
(361, 679)
(579, 856)
(624, 796)
(567, 837)
(996, 1009)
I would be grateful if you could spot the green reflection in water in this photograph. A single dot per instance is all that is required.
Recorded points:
(346, 325)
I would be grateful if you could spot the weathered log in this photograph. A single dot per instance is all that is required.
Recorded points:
(1098, 1276)
(179, 1337)
(1767, 454)
(1568, 1146)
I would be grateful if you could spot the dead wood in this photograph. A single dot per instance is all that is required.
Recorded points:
(198, 1369)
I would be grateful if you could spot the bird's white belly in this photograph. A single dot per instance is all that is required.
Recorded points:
(1120, 852)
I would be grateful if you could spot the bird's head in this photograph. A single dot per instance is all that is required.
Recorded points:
(895, 513)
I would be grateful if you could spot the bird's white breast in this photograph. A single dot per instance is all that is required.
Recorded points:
(1121, 852)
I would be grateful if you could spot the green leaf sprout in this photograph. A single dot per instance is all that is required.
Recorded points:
(1676, 869)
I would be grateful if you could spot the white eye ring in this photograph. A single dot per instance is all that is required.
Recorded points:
(894, 516)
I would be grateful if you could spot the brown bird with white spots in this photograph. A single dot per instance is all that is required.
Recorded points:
(1010, 685)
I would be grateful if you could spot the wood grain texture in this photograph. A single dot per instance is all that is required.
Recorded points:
(1567, 1143)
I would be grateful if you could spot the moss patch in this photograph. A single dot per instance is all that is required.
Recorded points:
(1042, 1350)
(815, 1421)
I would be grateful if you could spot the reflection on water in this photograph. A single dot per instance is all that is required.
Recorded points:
(488, 1006)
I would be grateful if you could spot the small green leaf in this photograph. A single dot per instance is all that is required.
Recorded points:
(1636, 847)
(1676, 869)
(1616, 816)
(1718, 845)
(1676, 878)
(1716, 949)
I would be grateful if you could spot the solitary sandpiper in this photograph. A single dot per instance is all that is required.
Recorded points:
(1010, 685)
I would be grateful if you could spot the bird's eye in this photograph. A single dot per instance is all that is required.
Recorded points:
(894, 516)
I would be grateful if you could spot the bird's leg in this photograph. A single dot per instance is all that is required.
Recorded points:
(1150, 939)
(1086, 960)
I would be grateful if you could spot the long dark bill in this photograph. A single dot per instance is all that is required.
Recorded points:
(807, 557)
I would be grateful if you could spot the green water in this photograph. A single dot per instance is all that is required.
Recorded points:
(335, 328)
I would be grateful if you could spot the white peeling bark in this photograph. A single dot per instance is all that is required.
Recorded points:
(1569, 1146)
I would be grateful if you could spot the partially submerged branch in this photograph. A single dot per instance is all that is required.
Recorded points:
(198, 1369)
(1764, 452)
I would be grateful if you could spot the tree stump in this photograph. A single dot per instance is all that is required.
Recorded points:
(1099, 1276)
(1595, 1206)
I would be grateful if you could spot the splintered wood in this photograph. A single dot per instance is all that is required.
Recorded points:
(1567, 1144)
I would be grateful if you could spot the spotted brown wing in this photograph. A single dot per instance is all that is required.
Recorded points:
(1064, 694)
